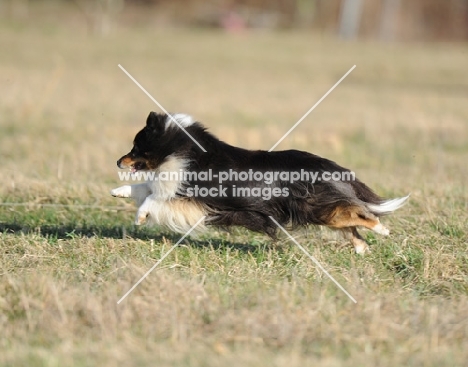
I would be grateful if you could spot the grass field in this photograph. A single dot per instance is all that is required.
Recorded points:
(67, 113)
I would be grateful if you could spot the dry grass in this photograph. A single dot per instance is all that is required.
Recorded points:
(67, 113)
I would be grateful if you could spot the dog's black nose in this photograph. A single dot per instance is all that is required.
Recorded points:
(118, 163)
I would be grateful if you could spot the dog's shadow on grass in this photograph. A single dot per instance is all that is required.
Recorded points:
(69, 231)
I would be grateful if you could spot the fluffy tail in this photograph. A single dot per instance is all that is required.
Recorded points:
(388, 206)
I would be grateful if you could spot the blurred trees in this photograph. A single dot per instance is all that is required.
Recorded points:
(382, 19)
(398, 19)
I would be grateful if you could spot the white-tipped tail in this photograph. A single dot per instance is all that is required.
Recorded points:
(388, 206)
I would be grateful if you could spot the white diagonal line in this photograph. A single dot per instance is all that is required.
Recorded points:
(161, 259)
(313, 259)
(312, 108)
(161, 107)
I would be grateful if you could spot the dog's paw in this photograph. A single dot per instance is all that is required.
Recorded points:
(122, 192)
(140, 217)
(360, 246)
(381, 229)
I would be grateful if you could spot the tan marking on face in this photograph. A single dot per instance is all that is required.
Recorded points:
(126, 162)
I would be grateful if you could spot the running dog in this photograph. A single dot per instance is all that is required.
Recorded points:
(226, 185)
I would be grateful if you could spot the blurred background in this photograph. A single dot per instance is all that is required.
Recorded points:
(429, 20)
(247, 69)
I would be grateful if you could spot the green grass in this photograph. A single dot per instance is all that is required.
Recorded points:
(67, 113)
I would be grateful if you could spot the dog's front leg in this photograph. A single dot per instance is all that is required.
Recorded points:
(145, 209)
(139, 192)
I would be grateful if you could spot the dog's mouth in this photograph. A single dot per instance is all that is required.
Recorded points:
(137, 166)
(133, 166)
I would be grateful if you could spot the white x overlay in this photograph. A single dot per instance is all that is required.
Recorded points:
(312, 108)
(202, 218)
(161, 107)
(313, 259)
(160, 260)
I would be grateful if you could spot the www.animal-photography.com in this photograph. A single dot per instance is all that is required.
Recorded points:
(253, 183)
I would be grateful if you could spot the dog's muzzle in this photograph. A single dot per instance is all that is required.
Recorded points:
(119, 163)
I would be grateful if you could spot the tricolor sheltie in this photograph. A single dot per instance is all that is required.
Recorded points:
(186, 185)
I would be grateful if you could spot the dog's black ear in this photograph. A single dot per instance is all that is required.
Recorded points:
(155, 123)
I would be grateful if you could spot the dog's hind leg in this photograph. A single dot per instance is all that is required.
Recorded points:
(354, 216)
(360, 245)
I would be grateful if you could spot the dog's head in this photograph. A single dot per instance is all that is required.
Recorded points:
(143, 155)
(157, 140)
